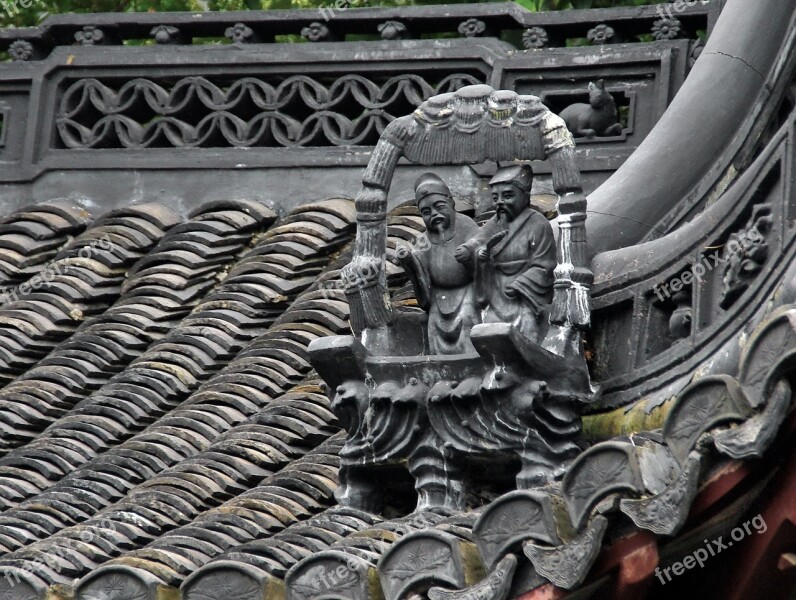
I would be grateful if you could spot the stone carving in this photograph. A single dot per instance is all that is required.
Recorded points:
(566, 566)
(696, 47)
(602, 34)
(598, 118)
(90, 36)
(535, 37)
(682, 316)
(512, 519)
(470, 126)
(514, 256)
(496, 586)
(166, 34)
(240, 33)
(703, 405)
(667, 29)
(316, 32)
(472, 27)
(94, 114)
(443, 286)
(606, 467)
(393, 30)
(746, 252)
(666, 512)
(20, 50)
(517, 385)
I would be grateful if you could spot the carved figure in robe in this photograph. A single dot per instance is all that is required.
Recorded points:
(513, 257)
(443, 285)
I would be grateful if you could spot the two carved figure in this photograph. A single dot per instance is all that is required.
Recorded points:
(464, 275)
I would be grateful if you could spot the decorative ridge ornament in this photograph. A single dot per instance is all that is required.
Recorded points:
(496, 369)
(470, 126)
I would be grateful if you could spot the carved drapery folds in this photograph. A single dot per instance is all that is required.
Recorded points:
(516, 400)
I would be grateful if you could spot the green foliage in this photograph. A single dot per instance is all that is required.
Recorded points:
(543, 5)
(13, 15)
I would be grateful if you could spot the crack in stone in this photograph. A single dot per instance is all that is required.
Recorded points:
(741, 60)
(605, 214)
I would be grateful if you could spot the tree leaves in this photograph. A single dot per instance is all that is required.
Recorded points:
(40, 9)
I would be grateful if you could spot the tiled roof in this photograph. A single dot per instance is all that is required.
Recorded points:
(164, 434)
(180, 382)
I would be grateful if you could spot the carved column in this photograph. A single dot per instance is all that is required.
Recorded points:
(439, 480)
(364, 278)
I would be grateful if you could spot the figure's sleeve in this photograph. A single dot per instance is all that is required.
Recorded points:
(420, 278)
(535, 284)
(480, 238)
(542, 245)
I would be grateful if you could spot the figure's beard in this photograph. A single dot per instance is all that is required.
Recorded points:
(439, 226)
(503, 217)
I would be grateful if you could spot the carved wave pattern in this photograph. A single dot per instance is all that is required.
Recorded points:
(297, 111)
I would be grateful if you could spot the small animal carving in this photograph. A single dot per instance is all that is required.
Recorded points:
(597, 118)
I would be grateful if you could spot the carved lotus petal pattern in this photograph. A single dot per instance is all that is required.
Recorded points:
(535, 37)
(768, 350)
(20, 50)
(752, 439)
(512, 521)
(315, 32)
(422, 558)
(316, 581)
(601, 34)
(496, 586)
(566, 566)
(666, 512)
(226, 585)
(667, 29)
(472, 27)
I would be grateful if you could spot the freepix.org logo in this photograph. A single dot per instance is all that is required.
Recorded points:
(666, 11)
(12, 7)
(712, 548)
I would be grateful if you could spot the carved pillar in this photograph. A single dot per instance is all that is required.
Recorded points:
(364, 278)
(439, 481)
